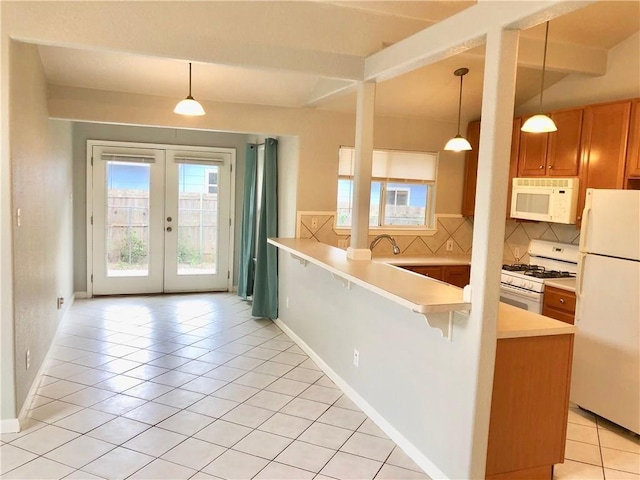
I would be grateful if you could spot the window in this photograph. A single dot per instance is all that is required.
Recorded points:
(398, 196)
(211, 181)
(402, 188)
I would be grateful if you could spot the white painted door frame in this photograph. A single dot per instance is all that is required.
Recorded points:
(231, 152)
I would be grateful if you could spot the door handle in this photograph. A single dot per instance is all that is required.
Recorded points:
(169, 229)
(169, 219)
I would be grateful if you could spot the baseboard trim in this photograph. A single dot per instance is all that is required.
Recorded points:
(81, 295)
(26, 406)
(9, 425)
(409, 448)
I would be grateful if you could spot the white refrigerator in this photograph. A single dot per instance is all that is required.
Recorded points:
(606, 358)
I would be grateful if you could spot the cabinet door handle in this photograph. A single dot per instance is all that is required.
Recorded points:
(550, 166)
(562, 300)
(541, 167)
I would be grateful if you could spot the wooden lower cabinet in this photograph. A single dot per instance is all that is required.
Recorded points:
(457, 275)
(529, 407)
(559, 304)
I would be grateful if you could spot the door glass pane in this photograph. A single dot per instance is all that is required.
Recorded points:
(127, 219)
(197, 219)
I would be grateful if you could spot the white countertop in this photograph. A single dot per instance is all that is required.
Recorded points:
(514, 322)
(417, 292)
(425, 260)
(562, 283)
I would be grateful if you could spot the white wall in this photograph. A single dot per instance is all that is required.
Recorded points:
(320, 135)
(288, 152)
(420, 383)
(621, 81)
(8, 408)
(125, 133)
(42, 190)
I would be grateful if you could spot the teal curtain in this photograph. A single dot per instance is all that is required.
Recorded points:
(248, 234)
(265, 290)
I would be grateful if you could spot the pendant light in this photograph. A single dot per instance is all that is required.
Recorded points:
(459, 143)
(189, 106)
(541, 123)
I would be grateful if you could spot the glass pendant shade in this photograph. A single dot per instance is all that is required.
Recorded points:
(189, 106)
(539, 124)
(458, 144)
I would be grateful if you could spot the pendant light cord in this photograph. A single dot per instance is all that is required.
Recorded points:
(190, 79)
(460, 104)
(544, 64)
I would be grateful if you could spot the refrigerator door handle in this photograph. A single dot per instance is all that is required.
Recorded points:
(586, 214)
(582, 259)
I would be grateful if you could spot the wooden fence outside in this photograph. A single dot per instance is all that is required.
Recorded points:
(128, 227)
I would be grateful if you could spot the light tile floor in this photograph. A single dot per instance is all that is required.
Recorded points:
(597, 449)
(191, 386)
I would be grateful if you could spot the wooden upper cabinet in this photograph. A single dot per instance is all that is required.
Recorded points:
(555, 154)
(604, 147)
(532, 157)
(471, 166)
(563, 150)
(471, 170)
(513, 164)
(633, 153)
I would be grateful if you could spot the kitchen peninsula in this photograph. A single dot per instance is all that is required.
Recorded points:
(423, 395)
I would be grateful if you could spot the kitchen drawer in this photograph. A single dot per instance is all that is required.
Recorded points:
(457, 275)
(558, 299)
(558, 315)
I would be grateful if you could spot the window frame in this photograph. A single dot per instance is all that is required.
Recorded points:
(430, 222)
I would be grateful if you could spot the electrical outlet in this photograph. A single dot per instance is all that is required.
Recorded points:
(356, 357)
(19, 217)
(516, 253)
(286, 302)
(343, 243)
(449, 245)
(28, 359)
(314, 222)
(60, 302)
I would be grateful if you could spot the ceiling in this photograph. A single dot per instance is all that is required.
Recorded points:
(358, 28)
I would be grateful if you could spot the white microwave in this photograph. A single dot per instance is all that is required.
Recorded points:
(545, 199)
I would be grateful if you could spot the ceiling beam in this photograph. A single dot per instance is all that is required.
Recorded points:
(329, 87)
(460, 33)
(178, 30)
(561, 57)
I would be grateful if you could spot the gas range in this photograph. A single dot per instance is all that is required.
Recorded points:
(522, 285)
(530, 277)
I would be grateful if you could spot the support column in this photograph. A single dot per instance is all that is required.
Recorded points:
(489, 221)
(365, 110)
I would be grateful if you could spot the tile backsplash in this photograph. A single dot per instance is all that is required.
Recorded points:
(518, 234)
(320, 226)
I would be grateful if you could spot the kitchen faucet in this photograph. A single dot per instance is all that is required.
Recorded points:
(396, 249)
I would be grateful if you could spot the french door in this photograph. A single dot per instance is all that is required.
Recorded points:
(160, 219)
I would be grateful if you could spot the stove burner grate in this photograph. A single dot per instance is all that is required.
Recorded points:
(536, 271)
